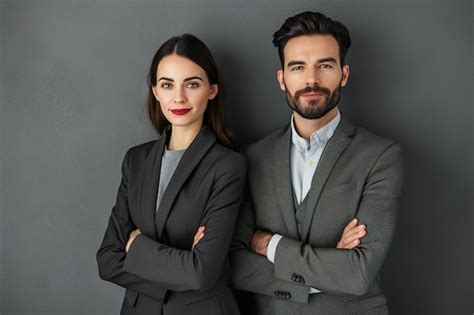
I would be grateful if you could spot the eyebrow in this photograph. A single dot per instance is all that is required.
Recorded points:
(299, 62)
(328, 59)
(187, 79)
(295, 62)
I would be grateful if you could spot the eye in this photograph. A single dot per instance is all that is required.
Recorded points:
(297, 68)
(166, 85)
(325, 66)
(192, 85)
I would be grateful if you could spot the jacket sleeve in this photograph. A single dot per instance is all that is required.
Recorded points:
(351, 271)
(252, 272)
(111, 254)
(200, 268)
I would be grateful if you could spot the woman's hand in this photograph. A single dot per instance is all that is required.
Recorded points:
(199, 235)
(352, 235)
(132, 236)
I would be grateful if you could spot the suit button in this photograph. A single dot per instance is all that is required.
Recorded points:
(294, 277)
(282, 294)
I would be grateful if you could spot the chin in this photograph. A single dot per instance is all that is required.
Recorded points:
(184, 121)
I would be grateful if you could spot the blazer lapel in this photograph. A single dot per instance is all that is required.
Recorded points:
(148, 186)
(283, 190)
(191, 158)
(334, 148)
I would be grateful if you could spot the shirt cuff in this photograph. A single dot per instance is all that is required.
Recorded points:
(272, 245)
(313, 290)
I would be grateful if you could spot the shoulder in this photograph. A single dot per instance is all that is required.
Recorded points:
(374, 146)
(225, 159)
(266, 142)
(139, 153)
(142, 148)
(369, 139)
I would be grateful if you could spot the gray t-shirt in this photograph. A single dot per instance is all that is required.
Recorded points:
(169, 162)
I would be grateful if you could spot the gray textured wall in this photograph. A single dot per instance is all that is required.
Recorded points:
(72, 101)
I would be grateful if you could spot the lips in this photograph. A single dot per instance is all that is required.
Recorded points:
(181, 111)
(313, 95)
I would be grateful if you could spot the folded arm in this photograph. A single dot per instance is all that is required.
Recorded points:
(253, 272)
(111, 254)
(351, 271)
(196, 269)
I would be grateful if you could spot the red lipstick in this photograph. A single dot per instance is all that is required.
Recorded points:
(181, 111)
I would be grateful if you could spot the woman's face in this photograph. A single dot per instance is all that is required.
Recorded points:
(183, 91)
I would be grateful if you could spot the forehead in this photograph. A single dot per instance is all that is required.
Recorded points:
(309, 47)
(177, 66)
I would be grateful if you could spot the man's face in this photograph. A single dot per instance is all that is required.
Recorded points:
(312, 76)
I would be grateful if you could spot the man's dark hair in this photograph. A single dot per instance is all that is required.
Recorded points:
(311, 23)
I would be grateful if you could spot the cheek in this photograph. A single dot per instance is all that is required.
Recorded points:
(294, 82)
(200, 101)
(163, 98)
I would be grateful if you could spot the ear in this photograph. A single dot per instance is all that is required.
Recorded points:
(345, 75)
(154, 88)
(213, 91)
(281, 80)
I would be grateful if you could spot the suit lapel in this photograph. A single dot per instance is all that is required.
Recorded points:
(334, 148)
(283, 190)
(148, 187)
(191, 158)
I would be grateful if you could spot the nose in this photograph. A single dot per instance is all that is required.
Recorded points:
(313, 77)
(180, 96)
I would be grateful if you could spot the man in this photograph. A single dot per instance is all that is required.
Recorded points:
(306, 181)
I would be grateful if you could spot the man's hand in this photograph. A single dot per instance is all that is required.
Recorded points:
(132, 236)
(351, 236)
(199, 235)
(259, 242)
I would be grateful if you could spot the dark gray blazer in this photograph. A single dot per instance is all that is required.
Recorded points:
(359, 175)
(161, 274)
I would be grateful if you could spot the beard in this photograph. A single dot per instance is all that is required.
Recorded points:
(315, 108)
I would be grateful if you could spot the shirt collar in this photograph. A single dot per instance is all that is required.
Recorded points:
(318, 138)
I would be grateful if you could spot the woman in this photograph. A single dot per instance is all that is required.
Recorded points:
(172, 224)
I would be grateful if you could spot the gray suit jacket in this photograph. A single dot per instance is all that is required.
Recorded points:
(160, 272)
(359, 175)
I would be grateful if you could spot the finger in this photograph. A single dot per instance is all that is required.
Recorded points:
(199, 230)
(351, 224)
(201, 237)
(355, 229)
(198, 235)
(359, 230)
(196, 241)
(348, 235)
(356, 236)
(353, 244)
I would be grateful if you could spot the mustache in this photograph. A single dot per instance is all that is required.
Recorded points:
(315, 89)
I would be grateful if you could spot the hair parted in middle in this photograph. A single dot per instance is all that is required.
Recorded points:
(192, 48)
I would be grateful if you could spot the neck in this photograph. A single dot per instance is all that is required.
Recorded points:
(183, 136)
(306, 127)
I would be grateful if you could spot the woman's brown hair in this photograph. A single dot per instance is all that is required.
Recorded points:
(194, 49)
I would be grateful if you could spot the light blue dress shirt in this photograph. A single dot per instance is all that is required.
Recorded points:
(304, 159)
